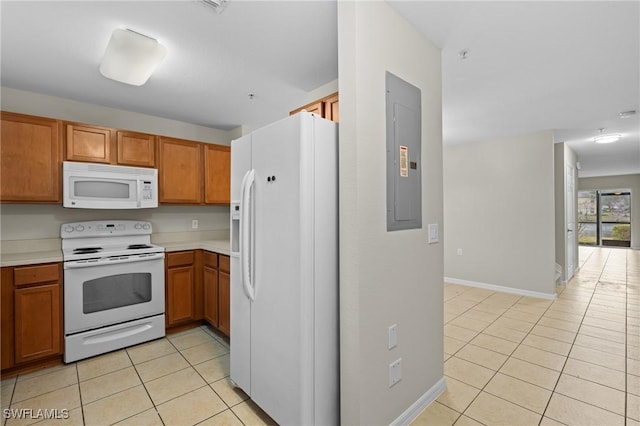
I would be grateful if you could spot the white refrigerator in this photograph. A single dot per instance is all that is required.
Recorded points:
(284, 269)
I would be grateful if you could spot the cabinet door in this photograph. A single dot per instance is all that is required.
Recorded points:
(37, 322)
(217, 170)
(211, 295)
(180, 294)
(316, 107)
(224, 293)
(180, 171)
(6, 304)
(89, 143)
(331, 110)
(136, 149)
(31, 156)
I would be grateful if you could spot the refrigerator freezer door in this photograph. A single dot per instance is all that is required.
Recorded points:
(278, 313)
(240, 363)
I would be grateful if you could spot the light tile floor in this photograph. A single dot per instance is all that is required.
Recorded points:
(509, 360)
(512, 360)
(178, 380)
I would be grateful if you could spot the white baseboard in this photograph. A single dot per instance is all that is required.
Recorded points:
(494, 287)
(423, 402)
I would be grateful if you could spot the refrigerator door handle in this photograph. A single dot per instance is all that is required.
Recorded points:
(245, 233)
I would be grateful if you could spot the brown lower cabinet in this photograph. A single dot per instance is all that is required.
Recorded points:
(31, 313)
(197, 287)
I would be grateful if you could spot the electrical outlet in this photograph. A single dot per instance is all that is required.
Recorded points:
(459, 252)
(395, 372)
(393, 336)
(194, 224)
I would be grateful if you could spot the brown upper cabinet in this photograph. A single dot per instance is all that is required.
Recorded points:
(326, 107)
(97, 144)
(33, 149)
(331, 111)
(193, 172)
(89, 143)
(217, 173)
(180, 171)
(136, 149)
(31, 157)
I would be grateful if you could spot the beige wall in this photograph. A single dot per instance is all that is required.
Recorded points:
(386, 277)
(66, 109)
(39, 221)
(499, 209)
(631, 182)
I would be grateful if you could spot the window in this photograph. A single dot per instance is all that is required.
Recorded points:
(604, 217)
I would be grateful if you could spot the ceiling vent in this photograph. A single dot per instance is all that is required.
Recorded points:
(217, 5)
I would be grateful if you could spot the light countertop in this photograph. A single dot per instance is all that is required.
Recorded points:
(30, 252)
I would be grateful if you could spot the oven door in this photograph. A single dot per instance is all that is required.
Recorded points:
(99, 294)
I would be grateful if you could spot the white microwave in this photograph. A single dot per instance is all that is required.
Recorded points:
(102, 186)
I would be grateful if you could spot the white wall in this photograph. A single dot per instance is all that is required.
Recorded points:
(386, 277)
(24, 102)
(499, 209)
(631, 182)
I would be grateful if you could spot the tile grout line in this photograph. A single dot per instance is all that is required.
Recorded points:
(573, 344)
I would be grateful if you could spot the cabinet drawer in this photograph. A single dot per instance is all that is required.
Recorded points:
(36, 274)
(224, 263)
(211, 259)
(180, 258)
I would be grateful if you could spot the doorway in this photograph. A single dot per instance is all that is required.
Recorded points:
(604, 217)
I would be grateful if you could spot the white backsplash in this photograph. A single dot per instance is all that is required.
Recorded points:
(41, 221)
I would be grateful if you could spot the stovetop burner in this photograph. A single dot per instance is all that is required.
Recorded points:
(138, 246)
(87, 250)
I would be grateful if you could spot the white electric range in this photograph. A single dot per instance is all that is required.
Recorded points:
(113, 286)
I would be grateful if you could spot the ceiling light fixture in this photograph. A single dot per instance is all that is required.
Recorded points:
(607, 138)
(217, 5)
(627, 114)
(131, 57)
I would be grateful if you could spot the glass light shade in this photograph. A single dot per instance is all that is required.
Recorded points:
(606, 138)
(131, 58)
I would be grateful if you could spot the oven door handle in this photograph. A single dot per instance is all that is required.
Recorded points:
(76, 264)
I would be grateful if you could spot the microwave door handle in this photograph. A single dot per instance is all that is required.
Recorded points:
(139, 194)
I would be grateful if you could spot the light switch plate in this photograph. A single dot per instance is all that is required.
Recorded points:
(393, 336)
(434, 236)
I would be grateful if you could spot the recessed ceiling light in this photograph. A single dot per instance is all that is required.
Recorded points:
(131, 57)
(627, 114)
(607, 138)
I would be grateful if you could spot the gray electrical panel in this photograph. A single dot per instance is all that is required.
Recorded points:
(404, 147)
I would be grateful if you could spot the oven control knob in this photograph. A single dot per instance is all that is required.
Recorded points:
(68, 228)
(146, 226)
(79, 228)
(138, 226)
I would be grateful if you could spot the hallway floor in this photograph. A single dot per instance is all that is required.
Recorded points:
(512, 360)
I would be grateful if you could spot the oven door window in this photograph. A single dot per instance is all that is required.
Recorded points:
(115, 291)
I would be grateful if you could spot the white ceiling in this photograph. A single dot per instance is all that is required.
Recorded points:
(277, 51)
(568, 66)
